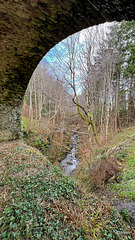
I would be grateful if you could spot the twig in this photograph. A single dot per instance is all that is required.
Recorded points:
(119, 145)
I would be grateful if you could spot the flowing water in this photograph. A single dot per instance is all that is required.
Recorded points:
(69, 163)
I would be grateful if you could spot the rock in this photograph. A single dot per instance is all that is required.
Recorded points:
(69, 162)
(130, 206)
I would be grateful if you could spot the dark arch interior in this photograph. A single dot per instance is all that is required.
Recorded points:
(28, 30)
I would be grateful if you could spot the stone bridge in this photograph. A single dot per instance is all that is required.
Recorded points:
(28, 29)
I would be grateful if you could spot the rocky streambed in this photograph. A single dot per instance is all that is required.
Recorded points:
(69, 163)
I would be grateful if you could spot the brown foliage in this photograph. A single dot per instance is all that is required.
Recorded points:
(101, 171)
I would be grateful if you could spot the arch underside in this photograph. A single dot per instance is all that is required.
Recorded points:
(28, 30)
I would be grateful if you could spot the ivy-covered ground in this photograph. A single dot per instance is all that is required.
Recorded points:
(38, 202)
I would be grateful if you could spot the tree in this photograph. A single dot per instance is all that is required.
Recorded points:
(127, 30)
(68, 73)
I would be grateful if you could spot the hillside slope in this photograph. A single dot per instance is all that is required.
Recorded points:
(38, 202)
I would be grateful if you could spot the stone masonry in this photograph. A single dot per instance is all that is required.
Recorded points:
(28, 29)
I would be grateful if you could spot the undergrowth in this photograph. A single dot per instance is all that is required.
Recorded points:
(37, 201)
(125, 184)
(113, 165)
(46, 137)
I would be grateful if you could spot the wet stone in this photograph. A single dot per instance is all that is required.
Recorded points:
(130, 206)
(69, 163)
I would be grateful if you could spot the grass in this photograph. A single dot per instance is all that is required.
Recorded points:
(125, 185)
(37, 201)
(116, 170)
(122, 136)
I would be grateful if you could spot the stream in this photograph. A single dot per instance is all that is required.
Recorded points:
(69, 163)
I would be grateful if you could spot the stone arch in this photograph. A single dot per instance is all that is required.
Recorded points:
(28, 29)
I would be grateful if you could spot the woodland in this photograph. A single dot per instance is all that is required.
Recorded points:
(90, 74)
(85, 86)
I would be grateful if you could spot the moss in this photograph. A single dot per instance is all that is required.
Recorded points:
(125, 185)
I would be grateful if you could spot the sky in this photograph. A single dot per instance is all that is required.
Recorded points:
(51, 60)
(50, 56)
